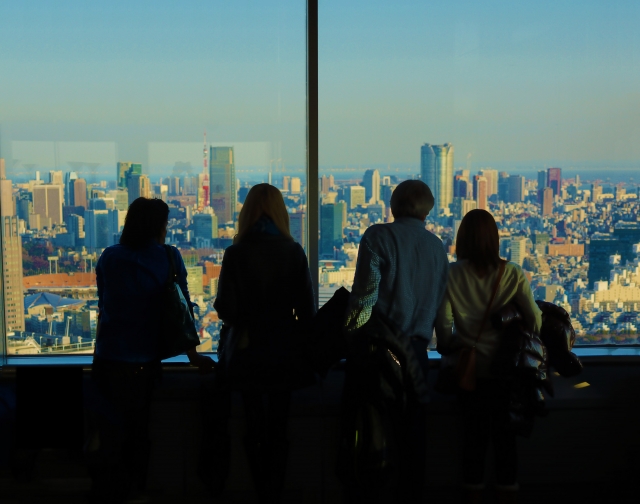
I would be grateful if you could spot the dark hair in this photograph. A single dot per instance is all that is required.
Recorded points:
(145, 221)
(411, 198)
(478, 241)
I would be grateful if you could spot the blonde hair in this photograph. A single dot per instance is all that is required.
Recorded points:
(263, 199)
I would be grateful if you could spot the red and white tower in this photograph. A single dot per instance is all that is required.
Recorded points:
(205, 169)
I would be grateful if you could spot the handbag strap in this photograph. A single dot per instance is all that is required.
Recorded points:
(172, 266)
(493, 295)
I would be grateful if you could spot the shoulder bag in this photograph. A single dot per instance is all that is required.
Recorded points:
(177, 331)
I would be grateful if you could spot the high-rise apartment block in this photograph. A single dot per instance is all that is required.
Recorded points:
(436, 170)
(371, 183)
(554, 180)
(12, 274)
(222, 183)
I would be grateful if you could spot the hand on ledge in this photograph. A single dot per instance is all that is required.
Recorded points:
(204, 364)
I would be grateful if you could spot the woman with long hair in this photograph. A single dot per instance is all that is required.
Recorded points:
(131, 277)
(264, 294)
(461, 323)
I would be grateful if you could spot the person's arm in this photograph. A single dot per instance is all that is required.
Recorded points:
(181, 272)
(444, 326)
(305, 306)
(364, 293)
(524, 299)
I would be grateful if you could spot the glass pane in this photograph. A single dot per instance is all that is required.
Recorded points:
(526, 109)
(102, 102)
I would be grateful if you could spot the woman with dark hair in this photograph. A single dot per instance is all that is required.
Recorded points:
(264, 291)
(130, 277)
(479, 273)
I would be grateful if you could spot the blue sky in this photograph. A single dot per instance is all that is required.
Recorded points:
(508, 83)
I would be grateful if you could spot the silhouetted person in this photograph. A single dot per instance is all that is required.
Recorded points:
(131, 277)
(264, 287)
(401, 274)
(485, 411)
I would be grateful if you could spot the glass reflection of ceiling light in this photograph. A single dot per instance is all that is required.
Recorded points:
(582, 385)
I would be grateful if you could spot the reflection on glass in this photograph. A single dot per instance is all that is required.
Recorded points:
(145, 106)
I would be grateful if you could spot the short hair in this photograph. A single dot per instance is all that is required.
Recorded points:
(411, 198)
(263, 199)
(478, 241)
(145, 221)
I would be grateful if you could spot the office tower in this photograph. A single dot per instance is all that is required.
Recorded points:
(96, 228)
(297, 228)
(387, 191)
(12, 274)
(554, 180)
(596, 192)
(56, 177)
(492, 181)
(461, 207)
(540, 243)
(78, 193)
(116, 224)
(75, 226)
(222, 183)
(331, 230)
(518, 250)
(122, 168)
(436, 170)
(542, 184)
(98, 204)
(295, 185)
(356, 196)
(47, 203)
(286, 182)
(24, 206)
(601, 247)
(7, 208)
(120, 198)
(69, 179)
(516, 188)
(138, 186)
(371, 183)
(326, 183)
(481, 192)
(462, 188)
(195, 280)
(547, 201)
(503, 187)
(174, 186)
(205, 227)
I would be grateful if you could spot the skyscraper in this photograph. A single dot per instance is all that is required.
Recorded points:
(542, 184)
(482, 190)
(6, 193)
(518, 249)
(138, 186)
(12, 273)
(554, 180)
(296, 185)
(55, 177)
(205, 229)
(69, 178)
(47, 203)
(516, 188)
(371, 183)
(122, 168)
(97, 229)
(547, 201)
(356, 196)
(78, 193)
(492, 181)
(331, 228)
(503, 186)
(222, 183)
(436, 170)
(297, 227)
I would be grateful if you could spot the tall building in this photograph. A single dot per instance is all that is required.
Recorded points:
(503, 187)
(47, 203)
(286, 183)
(205, 229)
(596, 192)
(371, 183)
(222, 183)
(462, 188)
(12, 274)
(78, 193)
(518, 250)
(356, 196)
(195, 279)
(492, 181)
(516, 188)
(69, 179)
(554, 180)
(122, 168)
(601, 247)
(75, 227)
(7, 206)
(138, 186)
(296, 185)
(547, 201)
(462, 207)
(331, 230)
(482, 192)
(298, 228)
(56, 177)
(326, 183)
(97, 229)
(436, 170)
(542, 184)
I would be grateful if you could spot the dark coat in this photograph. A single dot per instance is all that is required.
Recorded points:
(264, 287)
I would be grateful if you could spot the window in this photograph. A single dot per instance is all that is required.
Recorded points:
(525, 109)
(191, 102)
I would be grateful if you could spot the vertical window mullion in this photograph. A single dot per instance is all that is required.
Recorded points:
(312, 141)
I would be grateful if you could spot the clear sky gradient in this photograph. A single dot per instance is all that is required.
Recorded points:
(508, 83)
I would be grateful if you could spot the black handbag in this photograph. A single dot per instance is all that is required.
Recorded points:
(177, 331)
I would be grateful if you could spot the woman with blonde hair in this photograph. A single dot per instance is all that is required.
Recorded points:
(479, 284)
(264, 293)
